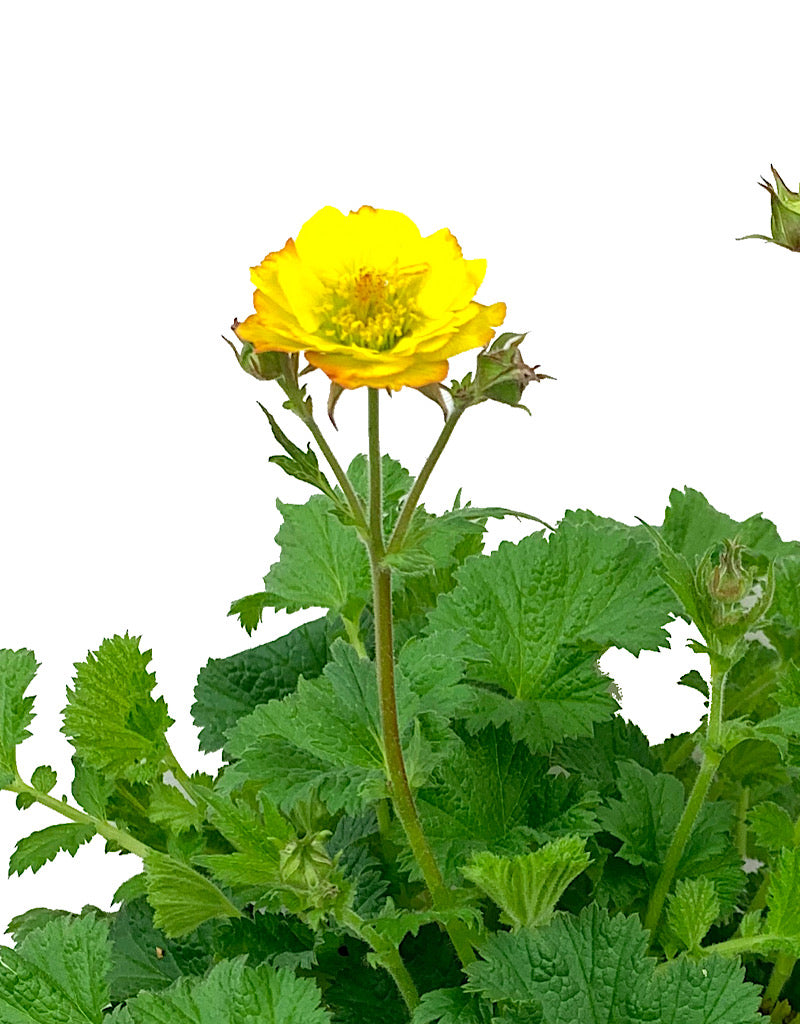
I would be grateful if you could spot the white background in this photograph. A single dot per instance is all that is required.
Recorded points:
(602, 158)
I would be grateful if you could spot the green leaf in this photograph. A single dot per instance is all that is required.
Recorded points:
(302, 465)
(691, 910)
(57, 975)
(772, 826)
(17, 669)
(142, 958)
(396, 482)
(111, 718)
(710, 992)
(593, 969)
(323, 563)
(590, 969)
(540, 613)
(43, 778)
(646, 816)
(783, 899)
(36, 849)
(493, 794)
(692, 526)
(168, 806)
(325, 737)
(528, 887)
(181, 898)
(233, 993)
(250, 609)
(230, 688)
(645, 820)
(450, 1006)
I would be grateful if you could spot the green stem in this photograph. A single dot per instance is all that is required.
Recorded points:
(103, 828)
(399, 788)
(404, 520)
(781, 972)
(302, 409)
(702, 784)
(354, 636)
(741, 822)
(388, 955)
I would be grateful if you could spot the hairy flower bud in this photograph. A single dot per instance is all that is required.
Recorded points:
(728, 582)
(785, 221)
(261, 365)
(304, 862)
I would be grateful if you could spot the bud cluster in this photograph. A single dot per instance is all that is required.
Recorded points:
(735, 590)
(501, 375)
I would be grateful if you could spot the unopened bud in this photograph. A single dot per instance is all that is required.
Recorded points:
(261, 365)
(502, 374)
(304, 863)
(785, 221)
(728, 582)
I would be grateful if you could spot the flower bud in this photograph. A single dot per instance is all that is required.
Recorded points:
(261, 365)
(304, 862)
(728, 582)
(502, 374)
(785, 222)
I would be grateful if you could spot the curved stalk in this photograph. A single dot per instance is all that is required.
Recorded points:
(103, 828)
(412, 499)
(702, 783)
(388, 955)
(399, 788)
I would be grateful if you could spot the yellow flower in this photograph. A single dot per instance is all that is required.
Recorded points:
(369, 300)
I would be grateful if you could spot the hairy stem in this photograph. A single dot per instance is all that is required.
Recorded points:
(301, 407)
(781, 972)
(404, 520)
(388, 955)
(702, 784)
(102, 827)
(399, 788)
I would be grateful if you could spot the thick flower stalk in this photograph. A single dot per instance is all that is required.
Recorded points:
(369, 300)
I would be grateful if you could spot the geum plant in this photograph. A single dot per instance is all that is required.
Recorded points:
(428, 807)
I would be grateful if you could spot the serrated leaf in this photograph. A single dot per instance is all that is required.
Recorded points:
(43, 778)
(783, 899)
(573, 968)
(233, 993)
(539, 615)
(646, 816)
(323, 562)
(692, 526)
(57, 975)
(692, 909)
(168, 806)
(450, 1006)
(326, 736)
(230, 688)
(111, 718)
(39, 847)
(17, 669)
(528, 887)
(493, 794)
(182, 899)
(593, 969)
(302, 465)
(250, 609)
(396, 482)
(772, 826)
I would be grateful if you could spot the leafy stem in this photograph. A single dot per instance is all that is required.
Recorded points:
(387, 955)
(102, 827)
(399, 788)
(302, 407)
(712, 756)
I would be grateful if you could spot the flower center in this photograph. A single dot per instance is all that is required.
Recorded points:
(372, 308)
